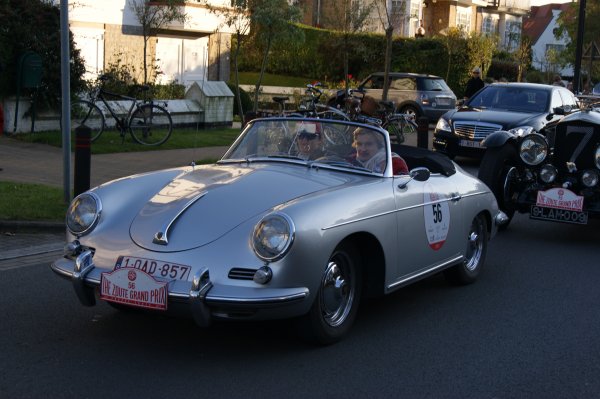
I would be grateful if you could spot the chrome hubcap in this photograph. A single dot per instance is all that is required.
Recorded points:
(337, 293)
(475, 245)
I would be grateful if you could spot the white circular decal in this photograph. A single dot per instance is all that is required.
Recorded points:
(437, 218)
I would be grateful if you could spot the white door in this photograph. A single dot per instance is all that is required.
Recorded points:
(90, 42)
(181, 60)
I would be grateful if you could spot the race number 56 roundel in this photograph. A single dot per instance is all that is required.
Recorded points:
(437, 218)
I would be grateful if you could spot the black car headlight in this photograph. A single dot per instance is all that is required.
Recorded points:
(273, 236)
(597, 157)
(533, 149)
(548, 173)
(83, 213)
(443, 124)
(521, 130)
(590, 178)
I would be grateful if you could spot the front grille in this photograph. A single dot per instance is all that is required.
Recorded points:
(576, 143)
(238, 273)
(475, 130)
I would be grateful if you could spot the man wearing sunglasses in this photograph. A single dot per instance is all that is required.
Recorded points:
(310, 145)
(474, 84)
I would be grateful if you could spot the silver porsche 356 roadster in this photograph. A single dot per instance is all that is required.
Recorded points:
(300, 219)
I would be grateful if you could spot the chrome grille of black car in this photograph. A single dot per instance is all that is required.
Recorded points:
(238, 273)
(475, 130)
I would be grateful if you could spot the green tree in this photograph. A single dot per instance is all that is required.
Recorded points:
(568, 24)
(34, 25)
(522, 56)
(236, 18)
(348, 17)
(391, 18)
(481, 50)
(272, 21)
(153, 16)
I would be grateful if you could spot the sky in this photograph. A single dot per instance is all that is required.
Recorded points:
(542, 2)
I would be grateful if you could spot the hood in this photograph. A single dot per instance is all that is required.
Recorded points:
(197, 208)
(506, 119)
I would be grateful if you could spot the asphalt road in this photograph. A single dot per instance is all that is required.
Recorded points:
(529, 328)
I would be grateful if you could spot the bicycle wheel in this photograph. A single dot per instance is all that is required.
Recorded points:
(150, 124)
(87, 113)
(399, 128)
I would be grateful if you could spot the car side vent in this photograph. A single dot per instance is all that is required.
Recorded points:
(238, 273)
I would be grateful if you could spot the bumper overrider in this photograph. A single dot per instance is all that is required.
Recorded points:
(200, 297)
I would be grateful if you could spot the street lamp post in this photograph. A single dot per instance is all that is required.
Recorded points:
(579, 48)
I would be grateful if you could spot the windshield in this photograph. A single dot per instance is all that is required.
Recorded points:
(312, 142)
(517, 99)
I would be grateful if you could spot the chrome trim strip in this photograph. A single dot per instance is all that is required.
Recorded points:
(258, 301)
(398, 210)
(161, 237)
(413, 277)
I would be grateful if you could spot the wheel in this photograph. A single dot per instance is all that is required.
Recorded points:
(88, 114)
(336, 302)
(477, 241)
(150, 125)
(498, 170)
(399, 128)
(410, 110)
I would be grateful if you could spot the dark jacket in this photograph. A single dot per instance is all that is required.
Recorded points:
(473, 86)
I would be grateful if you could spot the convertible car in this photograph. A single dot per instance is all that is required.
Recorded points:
(300, 219)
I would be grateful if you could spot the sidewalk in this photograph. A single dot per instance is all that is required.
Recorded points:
(25, 243)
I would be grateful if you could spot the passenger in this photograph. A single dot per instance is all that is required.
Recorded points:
(370, 152)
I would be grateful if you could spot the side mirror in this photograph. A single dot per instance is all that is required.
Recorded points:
(418, 174)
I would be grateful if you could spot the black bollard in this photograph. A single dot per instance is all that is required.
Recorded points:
(82, 159)
(423, 132)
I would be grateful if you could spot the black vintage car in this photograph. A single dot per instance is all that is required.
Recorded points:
(552, 177)
(520, 108)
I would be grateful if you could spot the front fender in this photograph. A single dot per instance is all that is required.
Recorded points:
(498, 139)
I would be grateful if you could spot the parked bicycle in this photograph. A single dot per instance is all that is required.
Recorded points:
(148, 123)
(364, 109)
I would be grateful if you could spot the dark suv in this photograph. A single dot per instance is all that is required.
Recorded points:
(415, 94)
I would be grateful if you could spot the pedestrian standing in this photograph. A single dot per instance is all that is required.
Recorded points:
(474, 84)
(558, 81)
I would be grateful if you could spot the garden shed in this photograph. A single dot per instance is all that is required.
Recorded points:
(216, 101)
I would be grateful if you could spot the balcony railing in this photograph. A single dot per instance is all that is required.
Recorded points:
(510, 4)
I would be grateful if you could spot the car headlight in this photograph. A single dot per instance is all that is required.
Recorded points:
(83, 213)
(597, 157)
(533, 149)
(590, 177)
(548, 173)
(443, 124)
(273, 236)
(521, 130)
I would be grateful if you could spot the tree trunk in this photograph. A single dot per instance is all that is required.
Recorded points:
(262, 71)
(237, 78)
(388, 61)
(146, 38)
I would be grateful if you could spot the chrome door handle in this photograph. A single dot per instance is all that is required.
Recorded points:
(455, 197)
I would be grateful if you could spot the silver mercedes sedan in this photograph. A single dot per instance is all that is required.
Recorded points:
(301, 219)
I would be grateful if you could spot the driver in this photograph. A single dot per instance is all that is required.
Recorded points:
(309, 144)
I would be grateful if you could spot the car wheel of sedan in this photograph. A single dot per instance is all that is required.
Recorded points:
(497, 170)
(336, 304)
(477, 241)
(410, 110)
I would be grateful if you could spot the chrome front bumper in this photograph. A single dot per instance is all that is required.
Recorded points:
(204, 299)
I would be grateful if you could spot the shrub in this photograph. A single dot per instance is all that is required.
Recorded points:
(34, 25)
(247, 103)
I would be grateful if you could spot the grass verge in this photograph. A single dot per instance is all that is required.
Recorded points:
(21, 201)
(110, 141)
